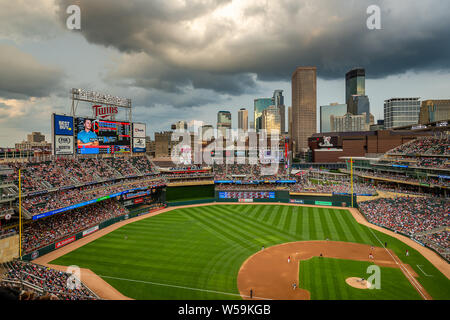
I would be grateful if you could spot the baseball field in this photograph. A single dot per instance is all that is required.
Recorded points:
(216, 252)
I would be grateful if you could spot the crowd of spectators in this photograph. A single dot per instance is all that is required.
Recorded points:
(439, 241)
(410, 216)
(429, 145)
(45, 175)
(262, 186)
(403, 177)
(123, 166)
(45, 231)
(249, 171)
(421, 162)
(43, 283)
(358, 188)
(64, 198)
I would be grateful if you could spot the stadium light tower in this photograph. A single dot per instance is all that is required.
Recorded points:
(94, 98)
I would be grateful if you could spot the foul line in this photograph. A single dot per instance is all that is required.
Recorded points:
(427, 275)
(182, 287)
(403, 268)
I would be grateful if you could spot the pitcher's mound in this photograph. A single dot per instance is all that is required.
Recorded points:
(357, 283)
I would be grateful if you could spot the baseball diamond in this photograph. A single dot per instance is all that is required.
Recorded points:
(215, 251)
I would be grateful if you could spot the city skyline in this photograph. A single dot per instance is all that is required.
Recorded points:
(180, 68)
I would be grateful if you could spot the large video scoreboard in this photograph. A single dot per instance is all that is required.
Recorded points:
(83, 135)
(94, 136)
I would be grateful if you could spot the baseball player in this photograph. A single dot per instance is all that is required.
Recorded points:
(289, 259)
(294, 286)
(251, 293)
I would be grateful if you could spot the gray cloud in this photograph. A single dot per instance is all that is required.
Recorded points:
(23, 20)
(22, 76)
(202, 45)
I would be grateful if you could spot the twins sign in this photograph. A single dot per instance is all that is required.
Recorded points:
(103, 112)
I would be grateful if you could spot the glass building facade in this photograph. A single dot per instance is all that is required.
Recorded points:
(326, 112)
(260, 105)
(271, 119)
(399, 112)
(355, 83)
(358, 105)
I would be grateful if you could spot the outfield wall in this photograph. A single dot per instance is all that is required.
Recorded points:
(318, 200)
(187, 193)
(79, 235)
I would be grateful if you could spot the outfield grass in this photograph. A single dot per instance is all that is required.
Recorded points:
(204, 247)
(325, 279)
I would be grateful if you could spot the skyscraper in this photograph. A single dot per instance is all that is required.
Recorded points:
(243, 119)
(304, 100)
(434, 110)
(260, 105)
(333, 109)
(359, 104)
(223, 121)
(278, 101)
(355, 83)
(271, 119)
(399, 112)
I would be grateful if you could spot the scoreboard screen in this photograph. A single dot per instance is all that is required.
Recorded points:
(96, 136)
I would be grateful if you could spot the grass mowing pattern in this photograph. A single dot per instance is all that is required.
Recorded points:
(204, 247)
(325, 278)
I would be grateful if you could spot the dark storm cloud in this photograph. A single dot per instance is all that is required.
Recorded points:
(22, 76)
(191, 44)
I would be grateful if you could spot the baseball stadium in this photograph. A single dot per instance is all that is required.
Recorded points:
(123, 225)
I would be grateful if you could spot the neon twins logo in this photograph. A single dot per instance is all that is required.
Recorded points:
(104, 112)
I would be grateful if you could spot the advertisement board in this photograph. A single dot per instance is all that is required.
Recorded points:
(63, 144)
(139, 130)
(94, 136)
(63, 125)
(89, 231)
(139, 145)
(64, 242)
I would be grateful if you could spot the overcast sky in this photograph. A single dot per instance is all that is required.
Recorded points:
(185, 60)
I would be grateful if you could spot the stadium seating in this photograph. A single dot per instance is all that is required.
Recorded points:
(42, 283)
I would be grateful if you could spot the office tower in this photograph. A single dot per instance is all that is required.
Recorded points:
(399, 112)
(359, 104)
(304, 99)
(278, 100)
(333, 109)
(243, 119)
(290, 121)
(434, 111)
(355, 83)
(223, 121)
(350, 122)
(259, 106)
(271, 119)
